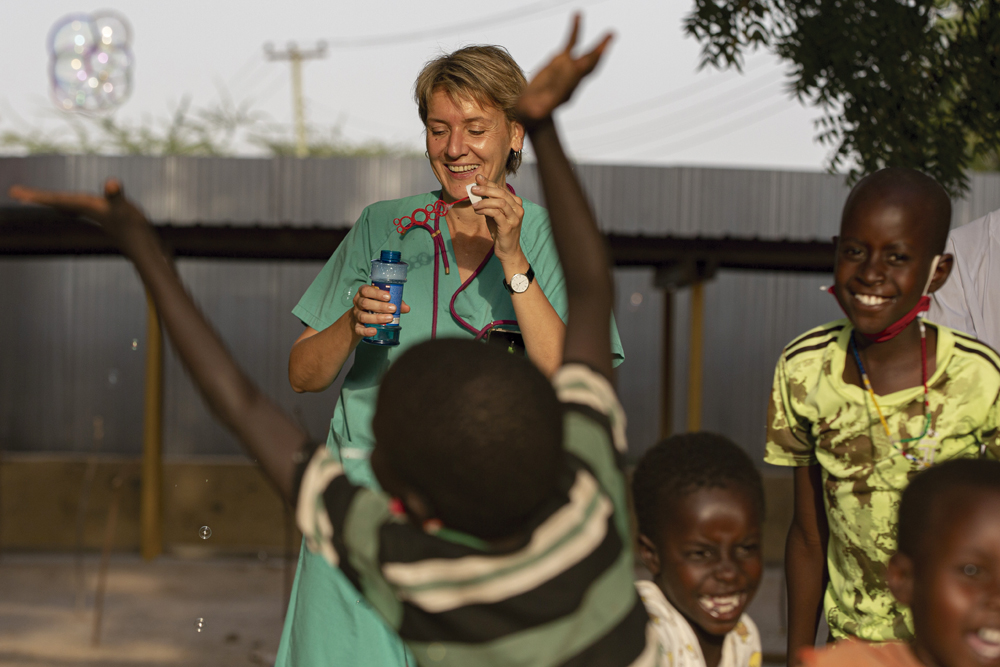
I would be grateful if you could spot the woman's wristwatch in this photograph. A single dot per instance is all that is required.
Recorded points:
(519, 282)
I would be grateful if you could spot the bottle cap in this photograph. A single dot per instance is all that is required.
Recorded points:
(390, 256)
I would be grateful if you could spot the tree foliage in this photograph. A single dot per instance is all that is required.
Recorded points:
(909, 83)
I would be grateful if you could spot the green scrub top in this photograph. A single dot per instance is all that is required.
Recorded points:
(327, 622)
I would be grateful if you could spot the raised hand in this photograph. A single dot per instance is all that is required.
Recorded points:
(555, 83)
(112, 212)
(268, 434)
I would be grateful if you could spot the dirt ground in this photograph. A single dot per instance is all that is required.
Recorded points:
(152, 612)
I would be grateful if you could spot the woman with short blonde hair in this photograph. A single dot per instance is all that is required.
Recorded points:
(481, 265)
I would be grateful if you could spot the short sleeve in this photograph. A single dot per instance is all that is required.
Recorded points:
(331, 294)
(579, 384)
(989, 435)
(789, 441)
(540, 249)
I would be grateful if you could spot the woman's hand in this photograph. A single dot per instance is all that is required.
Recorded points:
(112, 212)
(557, 81)
(371, 306)
(504, 212)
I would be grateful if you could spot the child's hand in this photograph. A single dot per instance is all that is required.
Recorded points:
(113, 212)
(556, 82)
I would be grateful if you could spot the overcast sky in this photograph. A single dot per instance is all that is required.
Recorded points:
(648, 104)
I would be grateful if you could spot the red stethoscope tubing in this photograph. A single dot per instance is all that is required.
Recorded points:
(436, 211)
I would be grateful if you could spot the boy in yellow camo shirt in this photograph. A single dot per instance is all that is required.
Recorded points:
(861, 404)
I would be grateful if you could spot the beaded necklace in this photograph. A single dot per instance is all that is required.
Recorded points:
(900, 444)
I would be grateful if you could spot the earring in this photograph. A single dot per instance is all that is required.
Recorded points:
(427, 155)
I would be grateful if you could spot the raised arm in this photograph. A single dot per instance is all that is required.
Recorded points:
(581, 247)
(266, 432)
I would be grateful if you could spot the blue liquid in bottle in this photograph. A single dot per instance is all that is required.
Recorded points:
(388, 274)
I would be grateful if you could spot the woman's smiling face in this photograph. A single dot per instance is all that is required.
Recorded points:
(465, 139)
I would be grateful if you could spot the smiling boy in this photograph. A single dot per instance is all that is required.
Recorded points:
(861, 404)
(699, 502)
(947, 570)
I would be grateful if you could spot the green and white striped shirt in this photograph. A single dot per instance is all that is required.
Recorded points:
(563, 596)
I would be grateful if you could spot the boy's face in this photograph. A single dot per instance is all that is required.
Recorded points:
(706, 558)
(883, 258)
(953, 587)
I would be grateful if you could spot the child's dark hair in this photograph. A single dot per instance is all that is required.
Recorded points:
(908, 187)
(922, 498)
(683, 463)
(475, 429)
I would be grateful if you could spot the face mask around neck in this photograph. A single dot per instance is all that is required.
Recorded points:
(897, 327)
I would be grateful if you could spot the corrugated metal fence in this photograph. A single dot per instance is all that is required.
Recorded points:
(73, 330)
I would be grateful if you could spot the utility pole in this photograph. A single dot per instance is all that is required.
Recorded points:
(295, 56)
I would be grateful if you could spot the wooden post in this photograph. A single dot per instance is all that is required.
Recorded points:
(151, 504)
(694, 358)
(667, 377)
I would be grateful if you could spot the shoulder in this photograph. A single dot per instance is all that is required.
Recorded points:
(971, 348)
(858, 653)
(815, 341)
(584, 391)
(535, 212)
(804, 358)
(535, 227)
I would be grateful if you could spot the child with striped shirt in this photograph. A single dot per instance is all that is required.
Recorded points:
(502, 537)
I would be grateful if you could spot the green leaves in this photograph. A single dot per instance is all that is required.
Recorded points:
(899, 82)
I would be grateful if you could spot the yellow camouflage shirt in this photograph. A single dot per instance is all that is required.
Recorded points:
(814, 417)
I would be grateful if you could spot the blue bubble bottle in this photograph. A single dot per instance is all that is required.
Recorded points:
(388, 274)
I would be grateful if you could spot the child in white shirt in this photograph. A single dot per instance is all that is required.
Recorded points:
(699, 501)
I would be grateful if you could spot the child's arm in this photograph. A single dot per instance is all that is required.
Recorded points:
(578, 241)
(266, 432)
(805, 560)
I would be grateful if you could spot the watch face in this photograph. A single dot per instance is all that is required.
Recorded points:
(519, 282)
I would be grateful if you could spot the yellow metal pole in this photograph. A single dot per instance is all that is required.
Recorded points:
(694, 358)
(151, 503)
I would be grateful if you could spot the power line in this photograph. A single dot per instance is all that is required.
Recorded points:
(718, 132)
(525, 12)
(663, 99)
(725, 98)
(658, 126)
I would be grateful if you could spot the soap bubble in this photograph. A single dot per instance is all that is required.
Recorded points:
(90, 62)
(113, 376)
(436, 651)
(135, 344)
(199, 624)
(204, 532)
(636, 298)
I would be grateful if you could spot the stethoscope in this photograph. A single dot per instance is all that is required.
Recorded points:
(423, 217)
